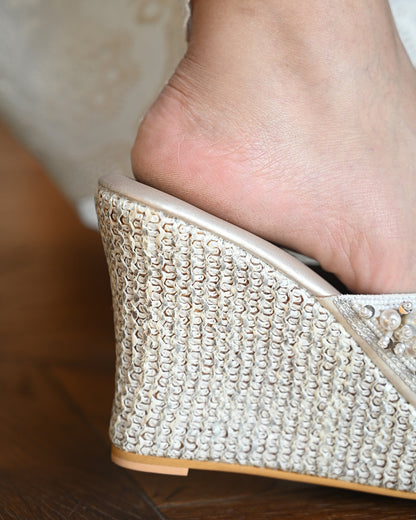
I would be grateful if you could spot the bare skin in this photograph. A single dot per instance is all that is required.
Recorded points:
(296, 121)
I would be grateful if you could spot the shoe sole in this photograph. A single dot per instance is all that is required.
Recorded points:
(227, 360)
(180, 468)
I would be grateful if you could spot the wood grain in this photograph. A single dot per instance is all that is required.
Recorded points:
(53, 464)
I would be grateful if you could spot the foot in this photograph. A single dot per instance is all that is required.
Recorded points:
(299, 125)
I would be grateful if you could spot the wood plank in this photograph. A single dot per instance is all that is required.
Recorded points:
(92, 389)
(53, 465)
(296, 502)
(48, 259)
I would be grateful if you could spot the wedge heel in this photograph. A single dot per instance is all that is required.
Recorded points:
(225, 362)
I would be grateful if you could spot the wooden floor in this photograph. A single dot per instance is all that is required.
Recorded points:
(56, 384)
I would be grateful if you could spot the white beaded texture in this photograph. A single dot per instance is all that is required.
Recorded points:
(220, 357)
(387, 323)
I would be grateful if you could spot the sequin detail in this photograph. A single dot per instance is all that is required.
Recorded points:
(220, 357)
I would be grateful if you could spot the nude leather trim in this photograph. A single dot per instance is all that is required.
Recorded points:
(268, 252)
(180, 466)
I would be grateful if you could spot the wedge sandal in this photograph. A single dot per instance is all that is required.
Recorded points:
(234, 356)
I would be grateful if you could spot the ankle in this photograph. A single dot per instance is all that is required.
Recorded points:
(300, 32)
(314, 50)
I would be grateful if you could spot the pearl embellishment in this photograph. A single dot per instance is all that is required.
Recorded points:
(406, 332)
(399, 349)
(398, 326)
(390, 320)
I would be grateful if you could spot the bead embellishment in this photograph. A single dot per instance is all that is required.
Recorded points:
(406, 308)
(395, 328)
(397, 332)
(366, 311)
(387, 325)
(390, 320)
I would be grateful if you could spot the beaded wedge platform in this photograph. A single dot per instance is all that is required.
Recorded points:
(234, 356)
